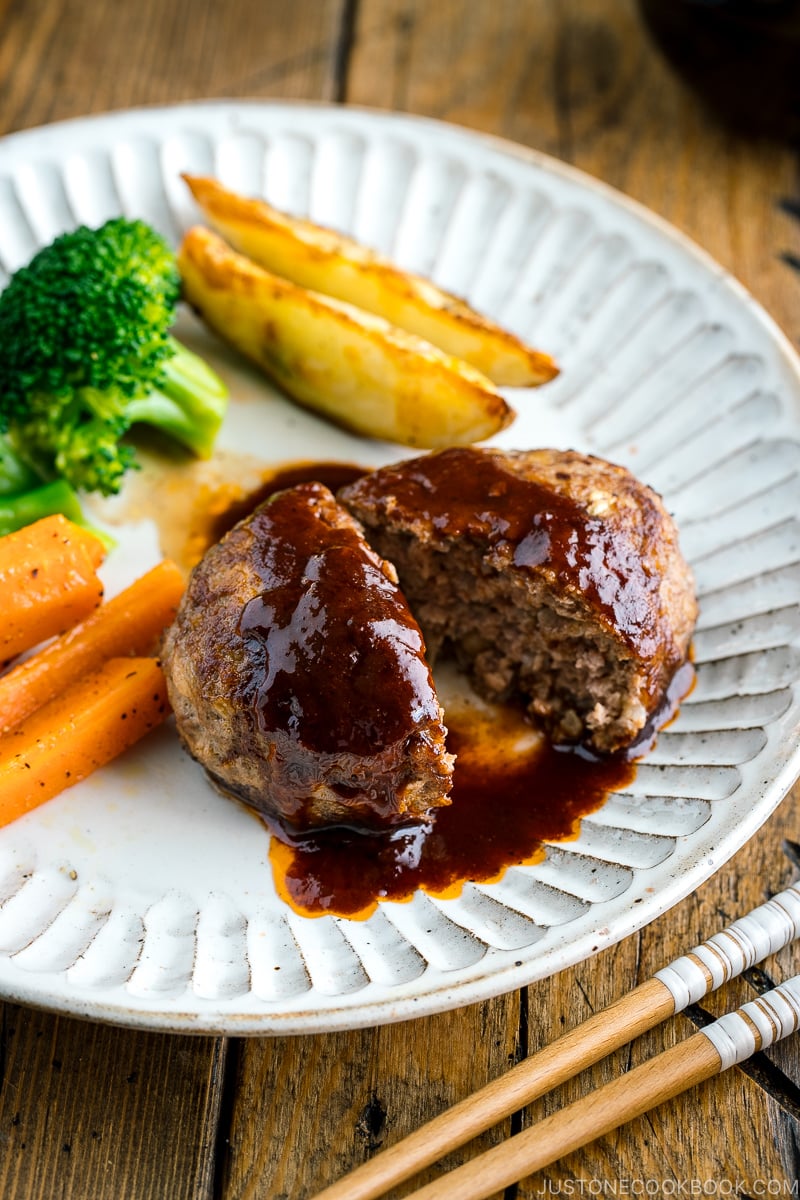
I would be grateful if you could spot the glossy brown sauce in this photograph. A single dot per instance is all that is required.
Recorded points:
(512, 792)
(332, 474)
(502, 811)
(463, 495)
(337, 658)
(194, 503)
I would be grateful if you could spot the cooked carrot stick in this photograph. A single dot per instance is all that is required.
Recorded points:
(130, 623)
(48, 582)
(85, 727)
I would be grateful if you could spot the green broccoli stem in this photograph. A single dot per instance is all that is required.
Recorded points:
(189, 405)
(24, 498)
(57, 497)
(16, 475)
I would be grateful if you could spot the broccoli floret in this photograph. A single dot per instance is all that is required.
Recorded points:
(86, 352)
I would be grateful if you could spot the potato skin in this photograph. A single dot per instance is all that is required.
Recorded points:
(347, 365)
(327, 262)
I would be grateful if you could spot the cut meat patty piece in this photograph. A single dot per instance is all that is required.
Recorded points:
(555, 576)
(298, 674)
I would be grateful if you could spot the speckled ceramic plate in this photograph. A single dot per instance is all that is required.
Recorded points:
(142, 897)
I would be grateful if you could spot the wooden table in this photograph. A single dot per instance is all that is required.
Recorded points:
(90, 1112)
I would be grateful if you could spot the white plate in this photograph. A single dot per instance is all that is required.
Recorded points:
(140, 896)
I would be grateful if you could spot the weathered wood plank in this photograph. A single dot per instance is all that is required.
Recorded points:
(64, 58)
(92, 1111)
(306, 1110)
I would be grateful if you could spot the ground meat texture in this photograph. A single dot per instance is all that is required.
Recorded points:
(555, 577)
(298, 674)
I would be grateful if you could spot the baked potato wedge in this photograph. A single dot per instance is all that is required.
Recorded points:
(334, 265)
(351, 366)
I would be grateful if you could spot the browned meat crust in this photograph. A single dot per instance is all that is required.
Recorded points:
(298, 674)
(554, 576)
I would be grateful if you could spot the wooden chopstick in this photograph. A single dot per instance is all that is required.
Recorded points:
(684, 981)
(727, 1041)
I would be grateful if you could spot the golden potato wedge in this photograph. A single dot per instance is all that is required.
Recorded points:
(333, 265)
(351, 366)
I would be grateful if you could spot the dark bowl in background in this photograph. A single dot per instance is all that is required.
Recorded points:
(742, 57)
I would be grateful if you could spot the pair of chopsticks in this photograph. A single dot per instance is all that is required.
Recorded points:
(730, 1040)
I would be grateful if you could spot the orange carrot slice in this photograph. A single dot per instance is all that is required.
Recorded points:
(130, 623)
(48, 582)
(82, 729)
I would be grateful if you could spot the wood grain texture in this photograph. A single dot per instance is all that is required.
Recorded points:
(651, 1083)
(97, 1113)
(636, 1011)
(149, 1116)
(305, 1110)
(66, 58)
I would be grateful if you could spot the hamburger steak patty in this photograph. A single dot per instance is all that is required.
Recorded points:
(554, 576)
(298, 676)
